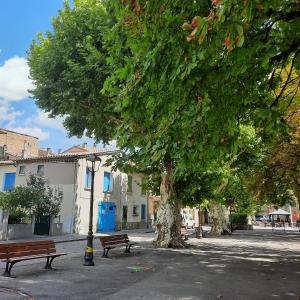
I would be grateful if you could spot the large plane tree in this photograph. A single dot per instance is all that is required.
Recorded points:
(172, 81)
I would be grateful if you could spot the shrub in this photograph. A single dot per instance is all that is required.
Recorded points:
(239, 219)
(36, 198)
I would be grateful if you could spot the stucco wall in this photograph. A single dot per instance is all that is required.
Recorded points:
(70, 177)
(135, 199)
(118, 195)
(61, 175)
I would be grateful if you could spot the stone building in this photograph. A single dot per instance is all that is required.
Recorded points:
(13, 145)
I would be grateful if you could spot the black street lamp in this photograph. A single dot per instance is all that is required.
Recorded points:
(88, 256)
(230, 202)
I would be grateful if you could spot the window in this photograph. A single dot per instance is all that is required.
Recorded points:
(40, 170)
(22, 170)
(124, 215)
(108, 182)
(144, 186)
(2, 152)
(9, 182)
(129, 184)
(143, 214)
(88, 179)
(135, 210)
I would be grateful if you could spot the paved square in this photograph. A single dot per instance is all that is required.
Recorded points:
(248, 265)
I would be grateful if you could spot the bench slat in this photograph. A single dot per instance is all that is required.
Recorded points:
(31, 247)
(107, 241)
(11, 250)
(9, 245)
(31, 252)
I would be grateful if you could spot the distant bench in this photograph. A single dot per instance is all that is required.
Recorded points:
(13, 253)
(115, 241)
(184, 233)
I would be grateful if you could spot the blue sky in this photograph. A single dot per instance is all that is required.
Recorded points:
(20, 21)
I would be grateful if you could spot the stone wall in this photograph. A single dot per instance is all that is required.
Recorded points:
(19, 231)
(16, 143)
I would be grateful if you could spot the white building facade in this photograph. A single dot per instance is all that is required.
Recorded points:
(119, 199)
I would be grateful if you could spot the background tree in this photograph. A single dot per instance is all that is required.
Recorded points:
(48, 200)
(69, 66)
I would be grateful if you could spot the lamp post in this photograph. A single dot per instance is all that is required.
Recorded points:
(88, 256)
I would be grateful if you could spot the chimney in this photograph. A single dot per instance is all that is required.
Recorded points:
(84, 145)
(48, 151)
(95, 147)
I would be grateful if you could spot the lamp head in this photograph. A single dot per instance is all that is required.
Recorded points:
(93, 158)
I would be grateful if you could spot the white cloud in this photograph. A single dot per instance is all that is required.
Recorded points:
(34, 131)
(8, 113)
(44, 120)
(14, 79)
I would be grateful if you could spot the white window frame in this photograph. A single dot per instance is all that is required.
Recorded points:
(22, 168)
(38, 172)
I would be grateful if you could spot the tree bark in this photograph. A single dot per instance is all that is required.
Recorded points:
(169, 217)
(220, 221)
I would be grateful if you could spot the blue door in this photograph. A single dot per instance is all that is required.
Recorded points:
(143, 217)
(9, 181)
(106, 216)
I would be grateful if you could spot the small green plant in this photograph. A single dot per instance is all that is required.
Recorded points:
(35, 198)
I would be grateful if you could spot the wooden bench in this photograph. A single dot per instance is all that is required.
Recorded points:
(115, 241)
(13, 253)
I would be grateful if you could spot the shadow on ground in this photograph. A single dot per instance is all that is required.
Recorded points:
(255, 265)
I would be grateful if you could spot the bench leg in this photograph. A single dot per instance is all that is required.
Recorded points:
(127, 250)
(51, 260)
(105, 252)
(7, 272)
(49, 263)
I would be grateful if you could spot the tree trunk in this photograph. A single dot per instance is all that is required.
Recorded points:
(219, 218)
(198, 230)
(169, 217)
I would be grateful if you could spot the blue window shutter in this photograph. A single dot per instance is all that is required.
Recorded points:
(9, 181)
(143, 212)
(106, 184)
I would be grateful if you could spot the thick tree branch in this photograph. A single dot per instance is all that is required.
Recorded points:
(276, 101)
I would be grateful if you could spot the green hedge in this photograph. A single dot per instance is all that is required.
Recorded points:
(239, 219)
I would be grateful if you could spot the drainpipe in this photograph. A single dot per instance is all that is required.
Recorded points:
(72, 224)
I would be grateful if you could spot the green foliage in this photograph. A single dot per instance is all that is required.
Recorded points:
(48, 201)
(36, 198)
(195, 105)
(19, 202)
(68, 66)
(239, 219)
